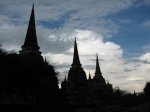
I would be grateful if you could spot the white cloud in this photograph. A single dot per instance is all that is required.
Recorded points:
(145, 57)
(9, 39)
(91, 43)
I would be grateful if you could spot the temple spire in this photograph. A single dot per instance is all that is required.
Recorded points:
(45, 60)
(31, 38)
(97, 70)
(30, 43)
(65, 78)
(90, 76)
(76, 60)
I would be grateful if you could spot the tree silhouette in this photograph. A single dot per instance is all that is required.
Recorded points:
(30, 83)
(147, 89)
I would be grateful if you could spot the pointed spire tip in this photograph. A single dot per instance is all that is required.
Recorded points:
(33, 6)
(97, 70)
(31, 38)
(76, 60)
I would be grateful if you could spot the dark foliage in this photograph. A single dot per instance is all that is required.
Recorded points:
(28, 84)
(147, 89)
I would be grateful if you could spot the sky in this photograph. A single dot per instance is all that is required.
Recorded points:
(118, 30)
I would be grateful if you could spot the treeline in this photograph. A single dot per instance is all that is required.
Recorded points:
(27, 84)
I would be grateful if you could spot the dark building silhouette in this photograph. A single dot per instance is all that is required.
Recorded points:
(30, 48)
(98, 78)
(76, 77)
(76, 84)
(80, 90)
(94, 94)
(98, 83)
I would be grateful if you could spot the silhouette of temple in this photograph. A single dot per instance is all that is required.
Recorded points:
(29, 83)
(79, 89)
(30, 48)
(76, 77)
(76, 83)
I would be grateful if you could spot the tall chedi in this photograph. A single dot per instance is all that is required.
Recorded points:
(77, 79)
(30, 48)
(98, 74)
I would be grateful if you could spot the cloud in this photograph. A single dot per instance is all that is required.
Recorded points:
(89, 43)
(140, 3)
(9, 39)
(70, 12)
(58, 8)
(145, 57)
(147, 24)
(146, 2)
(68, 16)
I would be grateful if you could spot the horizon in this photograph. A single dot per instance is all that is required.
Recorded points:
(117, 30)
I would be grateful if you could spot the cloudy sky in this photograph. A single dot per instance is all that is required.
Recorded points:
(118, 30)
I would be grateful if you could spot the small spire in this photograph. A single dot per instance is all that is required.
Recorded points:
(90, 76)
(65, 78)
(97, 70)
(134, 92)
(76, 60)
(45, 59)
(107, 82)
